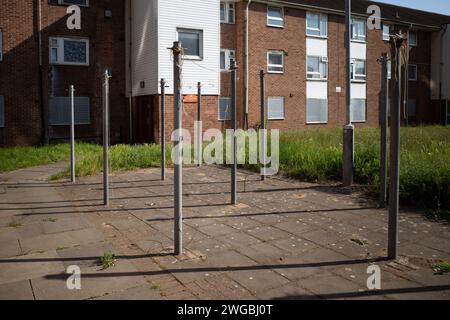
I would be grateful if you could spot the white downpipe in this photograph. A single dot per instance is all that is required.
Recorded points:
(246, 57)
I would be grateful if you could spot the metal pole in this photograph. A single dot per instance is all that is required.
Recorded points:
(106, 138)
(233, 68)
(349, 133)
(72, 134)
(263, 123)
(163, 129)
(178, 165)
(394, 170)
(199, 119)
(383, 127)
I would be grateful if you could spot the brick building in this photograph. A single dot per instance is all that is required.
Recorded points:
(298, 43)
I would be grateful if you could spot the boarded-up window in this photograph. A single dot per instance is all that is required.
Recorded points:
(317, 111)
(275, 108)
(358, 110)
(412, 107)
(60, 111)
(2, 111)
(225, 108)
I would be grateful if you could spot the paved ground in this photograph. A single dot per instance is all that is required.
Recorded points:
(285, 239)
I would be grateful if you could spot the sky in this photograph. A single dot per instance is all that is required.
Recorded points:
(438, 6)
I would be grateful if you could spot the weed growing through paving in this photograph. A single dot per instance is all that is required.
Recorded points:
(361, 242)
(108, 260)
(14, 224)
(441, 267)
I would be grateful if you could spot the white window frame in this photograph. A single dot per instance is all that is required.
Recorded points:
(322, 33)
(409, 73)
(409, 39)
(229, 54)
(275, 65)
(357, 77)
(275, 18)
(229, 7)
(218, 110)
(68, 3)
(60, 51)
(268, 105)
(386, 36)
(356, 36)
(200, 39)
(323, 69)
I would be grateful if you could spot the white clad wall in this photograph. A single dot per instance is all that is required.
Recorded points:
(193, 14)
(317, 89)
(358, 50)
(317, 47)
(144, 52)
(358, 90)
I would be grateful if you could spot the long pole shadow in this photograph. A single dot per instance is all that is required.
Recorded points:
(371, 293)
(143, 197)
(63, 276)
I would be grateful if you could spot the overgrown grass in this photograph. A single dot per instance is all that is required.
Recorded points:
(316, 155)
(122, 158)
(24, 157)
(313, 155)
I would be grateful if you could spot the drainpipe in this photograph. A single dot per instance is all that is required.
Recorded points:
(441, 65)
(406, 90)
(130, 78)
(44, 136)
(249, 2)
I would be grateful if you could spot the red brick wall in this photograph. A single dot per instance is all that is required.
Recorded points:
(420, 89)
(20, 69)
(292, 84)
(19, 74)
(209, 115)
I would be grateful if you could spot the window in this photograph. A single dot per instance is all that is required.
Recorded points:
(359, 30)
(275, 108)
(2, 111)
(227, 12)
(192, 43)
(358, 71)
(224, 108)
(83, 3)
(316, 24)
(412, 38)
(358, 110)
(275, 61)
(1, 45)
(59, 111)
(412, 72)
(386, 32)
(317, 68)
(69, 51)
(412, 107)
(317, 111)
(275, 17)
(225, 56)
